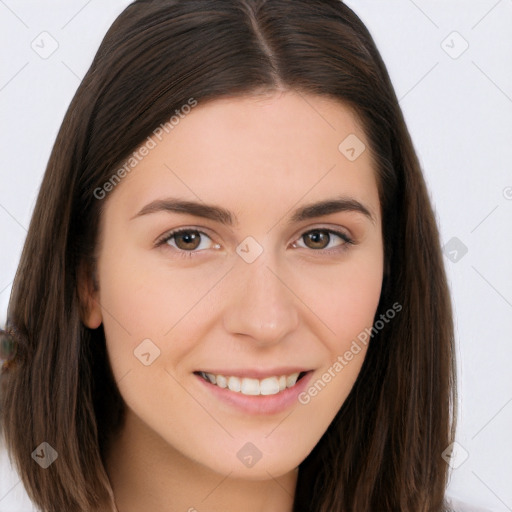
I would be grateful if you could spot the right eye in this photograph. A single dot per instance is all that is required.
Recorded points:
(186, 240)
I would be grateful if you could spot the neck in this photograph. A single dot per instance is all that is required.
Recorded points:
(148, 474)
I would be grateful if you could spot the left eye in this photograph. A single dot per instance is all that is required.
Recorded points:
(322, 238)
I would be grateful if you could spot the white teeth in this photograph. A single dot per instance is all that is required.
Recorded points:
(211, 378)
(269, 386)
(234, 384)
(252, 387)
(221, 381)
(291, 380)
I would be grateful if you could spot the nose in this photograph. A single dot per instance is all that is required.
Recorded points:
(261, 304)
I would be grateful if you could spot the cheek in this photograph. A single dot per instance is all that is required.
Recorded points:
(346, 300)
(144, 300)
(348, 305)
(353, 303)
(128, 302)
(344, 297)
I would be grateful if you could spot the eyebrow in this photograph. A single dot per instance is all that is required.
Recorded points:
(223, 216)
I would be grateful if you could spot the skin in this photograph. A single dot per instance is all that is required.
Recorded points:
(261, 158)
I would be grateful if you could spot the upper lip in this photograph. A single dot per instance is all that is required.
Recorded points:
(255, 373)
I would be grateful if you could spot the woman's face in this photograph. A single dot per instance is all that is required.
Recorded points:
(261, 287)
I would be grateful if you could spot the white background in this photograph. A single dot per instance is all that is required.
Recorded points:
(459, 112)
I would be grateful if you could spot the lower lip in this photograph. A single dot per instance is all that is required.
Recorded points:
(259, 404)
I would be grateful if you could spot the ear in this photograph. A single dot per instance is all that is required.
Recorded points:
(88, 293)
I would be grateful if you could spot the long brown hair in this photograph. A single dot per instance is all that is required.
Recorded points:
(383, 450)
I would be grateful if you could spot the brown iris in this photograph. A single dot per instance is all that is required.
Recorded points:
(190, 239)
(320, 239)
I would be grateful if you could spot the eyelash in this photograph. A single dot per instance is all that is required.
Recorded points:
(189, 254)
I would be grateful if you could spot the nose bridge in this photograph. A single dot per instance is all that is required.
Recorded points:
(261, 306)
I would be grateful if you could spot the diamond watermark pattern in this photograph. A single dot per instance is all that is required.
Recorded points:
(352, 147)
(249, 249)
(454, 45)
(249, 455)
(455, 455)
(45, 45)
(455, 249)
(146, 352)
(45, 455)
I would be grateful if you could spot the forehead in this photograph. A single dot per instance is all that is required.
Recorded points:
(256, 151)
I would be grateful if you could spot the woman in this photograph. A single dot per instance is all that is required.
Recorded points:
(232, 293)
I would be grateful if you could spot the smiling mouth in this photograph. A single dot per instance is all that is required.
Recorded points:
(253, 387)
